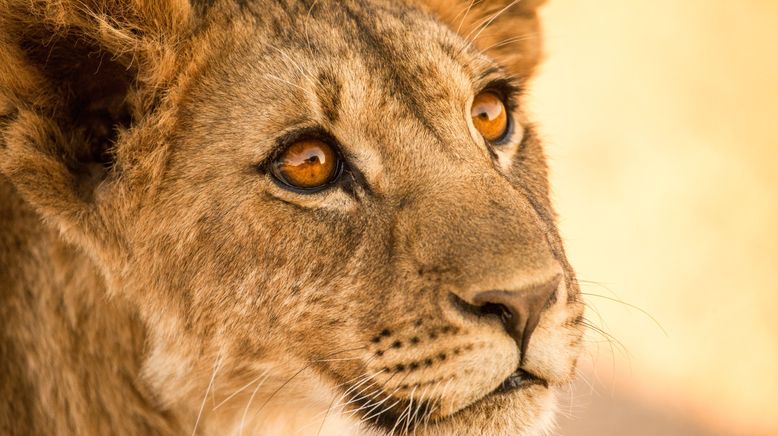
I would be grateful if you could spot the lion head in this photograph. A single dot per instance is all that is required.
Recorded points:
(334, 210)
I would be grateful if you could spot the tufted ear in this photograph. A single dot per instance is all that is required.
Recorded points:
(507, 30)
(75, 77)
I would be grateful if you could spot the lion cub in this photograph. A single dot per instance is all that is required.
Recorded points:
(276, 217)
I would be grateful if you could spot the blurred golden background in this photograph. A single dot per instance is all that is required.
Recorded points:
(661, 124)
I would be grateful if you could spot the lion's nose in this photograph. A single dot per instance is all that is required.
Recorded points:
(519, 310)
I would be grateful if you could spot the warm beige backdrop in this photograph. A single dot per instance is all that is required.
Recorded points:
(661, 119)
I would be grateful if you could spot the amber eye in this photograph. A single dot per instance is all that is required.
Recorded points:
(307, 164)
(489, 116)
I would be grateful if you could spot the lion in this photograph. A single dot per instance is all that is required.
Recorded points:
(277, 217)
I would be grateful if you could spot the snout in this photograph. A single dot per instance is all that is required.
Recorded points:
(477, 308)
(472, 347)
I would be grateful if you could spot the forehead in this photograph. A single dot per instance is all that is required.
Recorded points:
(394, 44)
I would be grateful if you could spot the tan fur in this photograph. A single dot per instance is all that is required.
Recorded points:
(155, 280)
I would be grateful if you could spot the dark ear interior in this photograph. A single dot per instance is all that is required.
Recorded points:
(90, 89)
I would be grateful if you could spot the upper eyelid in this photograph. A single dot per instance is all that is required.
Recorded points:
(506, 87)
(491, 74)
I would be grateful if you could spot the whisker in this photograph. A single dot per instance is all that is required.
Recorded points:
(644, 312)
(376, 405)
(366, 377)
(267, 401)
(467, 11)
(240, 390)
(580, 375)
(486, 24)
(610, 340)
(509, 41)
(594, 309)
(399, 420)
(335, 360)
(605, 335)
(357, 386)
(410, 407)
(335, 398)
(363, 378)
(307, 33)
(389, 407)
(367, 398)
(272, 395)
(384, 410)
(432, 406)
(443, 394)
(325, 415)
(598, 284)
(216, 366)
(421, 404)
(251, 399)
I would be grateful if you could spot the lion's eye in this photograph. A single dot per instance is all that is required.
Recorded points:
(490, 116)
(308, 164)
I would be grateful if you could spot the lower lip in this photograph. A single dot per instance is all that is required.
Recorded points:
(520, 379)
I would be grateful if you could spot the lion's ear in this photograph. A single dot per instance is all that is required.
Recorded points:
(507, 30)
(75, 77)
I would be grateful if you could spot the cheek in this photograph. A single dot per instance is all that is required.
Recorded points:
(286, 257)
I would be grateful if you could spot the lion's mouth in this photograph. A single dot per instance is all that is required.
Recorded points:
(520, 379)
(387, 417)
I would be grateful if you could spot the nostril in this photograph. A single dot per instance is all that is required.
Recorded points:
(500, 310)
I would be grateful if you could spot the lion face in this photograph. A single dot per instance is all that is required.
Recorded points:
(421, 287)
